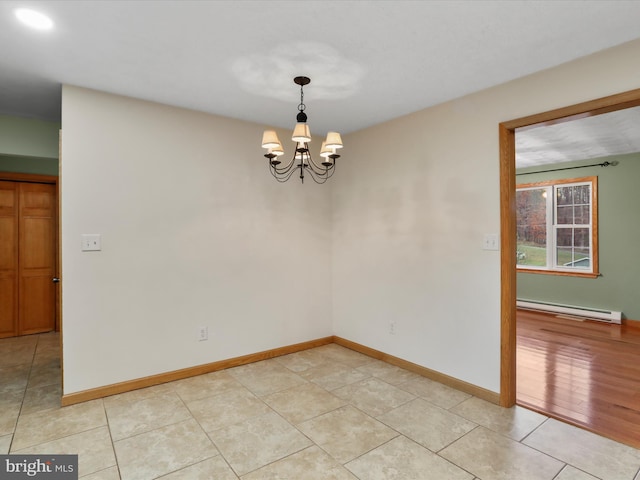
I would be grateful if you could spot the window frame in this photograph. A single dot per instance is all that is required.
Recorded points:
(552, 227)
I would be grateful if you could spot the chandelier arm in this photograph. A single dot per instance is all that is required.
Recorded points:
(319, 176)
(332, 170)
(315, 171)
(319, 179)
(281, 176)
(285, 169)
(284, 179)
(316, 166)
(289, 175)
(323, 171)
(319, 173)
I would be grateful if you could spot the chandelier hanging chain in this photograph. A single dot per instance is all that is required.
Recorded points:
(319, 173)
(302, 106)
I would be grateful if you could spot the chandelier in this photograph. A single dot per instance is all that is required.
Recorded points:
(301, 160)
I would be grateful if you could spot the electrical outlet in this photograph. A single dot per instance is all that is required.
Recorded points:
(392, 328)
(203, 334)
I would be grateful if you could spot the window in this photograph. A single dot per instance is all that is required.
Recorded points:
(556, 224)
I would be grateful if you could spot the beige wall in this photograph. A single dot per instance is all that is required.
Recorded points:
(411, 205)
(195, 232)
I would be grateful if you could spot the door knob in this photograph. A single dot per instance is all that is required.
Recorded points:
(56, 280)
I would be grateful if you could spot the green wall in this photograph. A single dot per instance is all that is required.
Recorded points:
(619, 241)
(27, 137)
(41, 166)
(28, 145)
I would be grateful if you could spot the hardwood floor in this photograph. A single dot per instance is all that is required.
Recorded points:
(584, 372)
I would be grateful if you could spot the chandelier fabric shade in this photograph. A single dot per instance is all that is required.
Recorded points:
(334, 140)
(326, 151)
(301, 133)
(301, 160)
(270, 139)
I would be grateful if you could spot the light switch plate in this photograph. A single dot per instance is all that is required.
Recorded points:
(490, 241)
(91, 242)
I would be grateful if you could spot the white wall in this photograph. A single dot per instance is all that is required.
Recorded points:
(194, 232)
(411, 204)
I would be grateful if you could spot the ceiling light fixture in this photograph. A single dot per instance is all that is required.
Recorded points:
(302, 136)
(34, 19)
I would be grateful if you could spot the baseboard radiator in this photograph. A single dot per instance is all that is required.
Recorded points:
(607, 316)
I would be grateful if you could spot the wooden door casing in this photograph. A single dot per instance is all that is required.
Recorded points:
(8, 259)
(28, 257)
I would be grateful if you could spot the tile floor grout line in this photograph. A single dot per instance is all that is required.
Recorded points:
(374, 448)
(164, 475)
(535, 429)
(576, 468)
(459, 438)
(206, 434)
(453, 463)
(220, 454)
(24, 394)
(295, 426)
(98, 471)
(223, 457)
(460, 403)
(552, 456)
(113, 447)
(60, 438)
(274, 461)
(154, 429)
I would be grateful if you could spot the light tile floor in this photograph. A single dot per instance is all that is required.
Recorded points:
(325, 413)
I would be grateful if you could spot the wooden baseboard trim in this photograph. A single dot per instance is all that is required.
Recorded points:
(461, 385)
(631, 323)
(129, 385)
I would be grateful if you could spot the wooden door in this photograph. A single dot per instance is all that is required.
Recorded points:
(8, 259)
(27, 258)
(37, 258)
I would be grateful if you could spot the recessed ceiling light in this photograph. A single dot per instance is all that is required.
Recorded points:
(34, 19)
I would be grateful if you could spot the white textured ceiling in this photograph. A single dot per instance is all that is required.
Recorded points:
(613, 133)
(369, 61)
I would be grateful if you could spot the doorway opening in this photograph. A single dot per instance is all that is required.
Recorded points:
(30, 345)
(507, 131)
